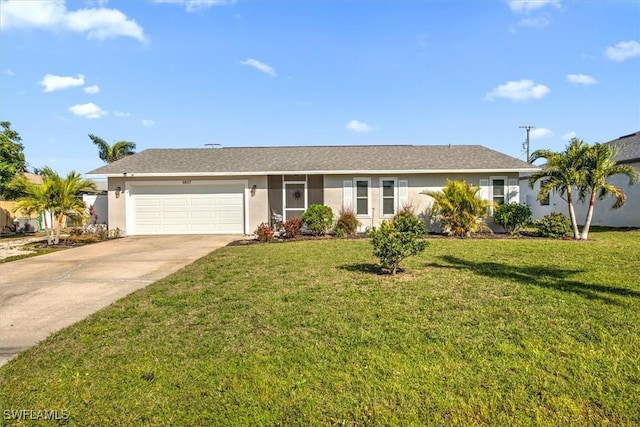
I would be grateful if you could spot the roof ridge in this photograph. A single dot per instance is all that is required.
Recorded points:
(323, 146)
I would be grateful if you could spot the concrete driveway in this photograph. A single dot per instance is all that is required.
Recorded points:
(43, 294)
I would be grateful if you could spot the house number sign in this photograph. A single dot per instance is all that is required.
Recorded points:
(186, 181)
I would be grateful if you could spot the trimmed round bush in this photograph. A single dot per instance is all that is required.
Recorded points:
(553, 225)
(513, 217)
(318, 219)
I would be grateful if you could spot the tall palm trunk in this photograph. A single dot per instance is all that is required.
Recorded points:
(58, 227)
(572, 216)
(47, 229)
(587, 222)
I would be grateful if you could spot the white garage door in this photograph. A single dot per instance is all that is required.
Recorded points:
(188, 209)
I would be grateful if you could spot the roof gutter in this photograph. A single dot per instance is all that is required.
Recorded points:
(315, 172)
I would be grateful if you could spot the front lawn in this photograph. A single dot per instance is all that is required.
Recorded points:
(474, 332)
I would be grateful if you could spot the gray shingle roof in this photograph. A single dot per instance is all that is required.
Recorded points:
(629, 148)
(313, 159)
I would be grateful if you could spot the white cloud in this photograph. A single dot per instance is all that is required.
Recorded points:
(121, 114)
(9, 72)
(89, 110)
(535, 22)
(52, 82)
(91, 89)
(97, 23)
(541, 133)
(148, 122)
(569, 135)
(267, 69)
(623, 50)
(358, 126)
(582, 79)
(521, 90)
(526, 6)
(195, 5)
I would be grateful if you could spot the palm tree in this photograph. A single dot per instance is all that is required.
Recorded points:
(459, 207)
(599, 166)
(57, 195)
(111, 153)
(562, 173)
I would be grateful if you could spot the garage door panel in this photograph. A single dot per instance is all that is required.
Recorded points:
(212, 209)
(143, 202)
(201, 215)
(175, 202)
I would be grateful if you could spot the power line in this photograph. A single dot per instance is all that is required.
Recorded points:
(525, 145)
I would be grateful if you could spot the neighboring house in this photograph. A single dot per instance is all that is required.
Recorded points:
(628, 152)
(233, 190)
(11, 222)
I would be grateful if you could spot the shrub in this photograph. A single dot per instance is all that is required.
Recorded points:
(347, 224)
(513, 217)
(459, 208)
(396, 240)
(318, 219)
(553, 225)
(264, 232)
(407, 222)
(292, 227)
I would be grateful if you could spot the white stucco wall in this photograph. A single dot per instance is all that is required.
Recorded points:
(627, 216)
(100, 206)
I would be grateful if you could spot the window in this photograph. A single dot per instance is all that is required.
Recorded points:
(498, 190)
(545, 201)
(388, 195)
(362, 197)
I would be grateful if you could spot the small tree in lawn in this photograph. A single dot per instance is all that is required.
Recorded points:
(396, 240)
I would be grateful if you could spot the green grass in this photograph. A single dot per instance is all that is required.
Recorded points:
(474, 332)
(34, 250)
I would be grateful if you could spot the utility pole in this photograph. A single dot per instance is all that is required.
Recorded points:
(526, 145)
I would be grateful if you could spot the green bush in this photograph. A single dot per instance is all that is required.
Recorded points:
(407, 222)
(513, 217)
(318, 219)
(396, 240)
(459, 208)
(554, 225)
(347, 224)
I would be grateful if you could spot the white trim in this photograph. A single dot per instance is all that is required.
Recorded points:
(347, 194)
(130, 205)
(309, 172)
(513, 191)
(381, 196)
(355, 197)
(284, 197)
(484, 189)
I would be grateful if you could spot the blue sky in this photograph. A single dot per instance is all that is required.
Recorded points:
(181, 74)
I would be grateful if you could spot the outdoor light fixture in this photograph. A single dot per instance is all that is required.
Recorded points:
(118, 191)
(253, 189)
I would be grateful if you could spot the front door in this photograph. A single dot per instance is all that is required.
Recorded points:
(295, 199)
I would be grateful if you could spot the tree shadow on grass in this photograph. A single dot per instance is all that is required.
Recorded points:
(542, 276)
(364, 268)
